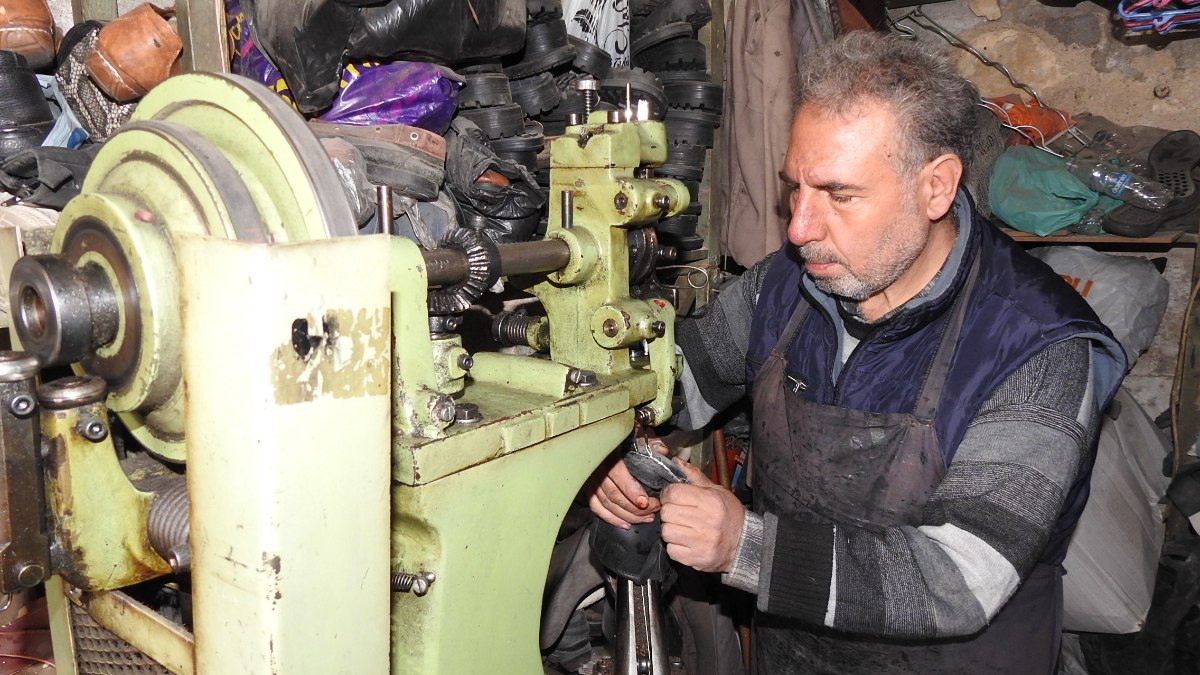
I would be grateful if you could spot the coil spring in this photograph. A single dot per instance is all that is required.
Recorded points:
(403, 582)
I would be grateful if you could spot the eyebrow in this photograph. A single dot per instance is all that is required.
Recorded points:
(827, 186)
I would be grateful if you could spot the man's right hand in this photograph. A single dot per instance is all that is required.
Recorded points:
(617, 497)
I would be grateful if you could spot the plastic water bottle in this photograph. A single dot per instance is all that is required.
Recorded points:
(1111, 146)
(1114, 181)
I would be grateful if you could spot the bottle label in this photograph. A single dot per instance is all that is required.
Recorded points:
(1120, 182)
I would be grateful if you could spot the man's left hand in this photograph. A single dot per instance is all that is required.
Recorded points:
(701, 522)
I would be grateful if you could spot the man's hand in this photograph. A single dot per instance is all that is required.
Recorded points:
(701, 522)
(618, 498)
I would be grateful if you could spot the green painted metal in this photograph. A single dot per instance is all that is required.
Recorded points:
(203, 154)
(98, 516)
(488, 533)
(597, 163)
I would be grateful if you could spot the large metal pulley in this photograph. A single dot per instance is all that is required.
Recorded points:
(204, 154)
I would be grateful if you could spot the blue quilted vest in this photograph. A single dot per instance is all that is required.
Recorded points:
(1018, 307)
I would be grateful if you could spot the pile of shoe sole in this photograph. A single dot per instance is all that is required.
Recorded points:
(663, 42)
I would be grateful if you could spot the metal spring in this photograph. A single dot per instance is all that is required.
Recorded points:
(403, 582)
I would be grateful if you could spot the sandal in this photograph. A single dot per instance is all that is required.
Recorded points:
(1171, 162)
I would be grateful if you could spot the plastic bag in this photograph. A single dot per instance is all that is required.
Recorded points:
(351, 172)
(604, 23)
(1113, 557)
(248, 59)
(1032, 191)
(305, 39)
(445, 31)
(510, 212)
(402, 92)
(1127, 292)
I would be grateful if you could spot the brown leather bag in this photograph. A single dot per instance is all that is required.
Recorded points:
(27, 28)
(134, 52)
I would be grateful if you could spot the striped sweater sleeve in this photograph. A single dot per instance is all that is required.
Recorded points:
(714, 349)
(983, 528)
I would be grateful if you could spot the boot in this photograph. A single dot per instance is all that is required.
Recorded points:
(134, 53)
(27, 28)
(25, 117)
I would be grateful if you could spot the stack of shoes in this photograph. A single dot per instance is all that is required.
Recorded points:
(27, 28)
(1171, 162)
(25, 117)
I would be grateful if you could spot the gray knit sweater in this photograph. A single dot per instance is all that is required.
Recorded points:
(983, 528)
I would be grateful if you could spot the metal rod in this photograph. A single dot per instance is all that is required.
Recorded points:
(383, 208)
(626, 661)
(446, 266)
(568, 209)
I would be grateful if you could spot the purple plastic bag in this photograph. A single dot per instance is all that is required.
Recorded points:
(248, 59)
(418, 94)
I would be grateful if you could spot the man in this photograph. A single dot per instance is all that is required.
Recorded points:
(926, 399)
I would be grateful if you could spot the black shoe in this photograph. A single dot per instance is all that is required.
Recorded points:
(25, 117)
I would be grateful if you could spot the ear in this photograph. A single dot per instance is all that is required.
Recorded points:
(938, 185)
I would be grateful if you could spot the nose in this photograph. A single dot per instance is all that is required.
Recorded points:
(805, 224)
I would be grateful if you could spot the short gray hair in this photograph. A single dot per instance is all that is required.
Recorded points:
(934, 105)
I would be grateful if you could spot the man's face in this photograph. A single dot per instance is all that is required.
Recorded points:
(855, 220)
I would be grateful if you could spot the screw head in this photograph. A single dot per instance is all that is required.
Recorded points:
(93, 429)
(466, 361)
(663, 202)
(610, 327)
(621, 200)
(30, 575)
(21, 405)
(1162, 91)
(444, 408)
(581, 378)
(659, 328)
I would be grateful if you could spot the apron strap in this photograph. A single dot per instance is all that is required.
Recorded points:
(792, 327)
(935, 377)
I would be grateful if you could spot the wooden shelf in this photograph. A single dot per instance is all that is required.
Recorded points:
(1156, 239)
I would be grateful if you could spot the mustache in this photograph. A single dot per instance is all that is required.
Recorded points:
(818, 253)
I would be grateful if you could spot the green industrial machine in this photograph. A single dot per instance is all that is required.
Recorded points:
(307, 452)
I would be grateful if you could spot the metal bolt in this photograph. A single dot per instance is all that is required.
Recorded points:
(610, 327)
(30, 575)
(589, 87)
(663, 202)
(467, 413)
(21, 405)
(614, 116)
(581, 378)
(93, 429)
(621, 201)
(466, 361)
(645, 416)
(574, 119)
(444, 408)
(659, 328)
(667, 253)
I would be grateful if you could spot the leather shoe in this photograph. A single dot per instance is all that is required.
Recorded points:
(25, 117)
(134, 52)
(27, 28)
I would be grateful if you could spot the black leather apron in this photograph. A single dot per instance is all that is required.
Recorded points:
(820, 463)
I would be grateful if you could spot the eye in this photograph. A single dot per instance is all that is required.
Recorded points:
(839, 198)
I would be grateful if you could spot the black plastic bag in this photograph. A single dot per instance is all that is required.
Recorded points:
(47, 176)
(306, 40)
(505, 213)
(445, 31)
